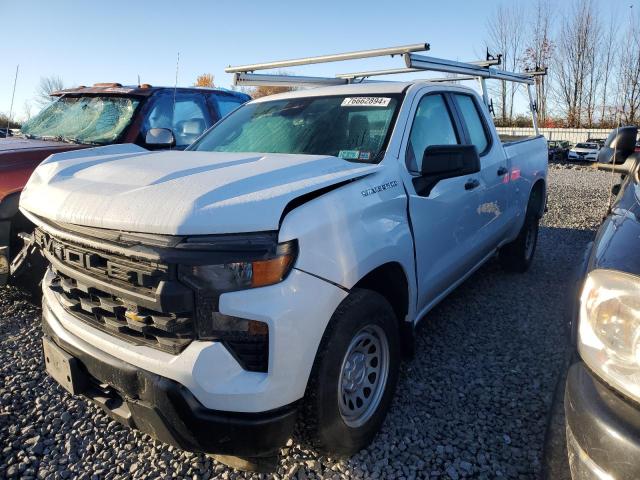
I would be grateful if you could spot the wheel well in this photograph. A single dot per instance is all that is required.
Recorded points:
(537, 198)
(390, 281)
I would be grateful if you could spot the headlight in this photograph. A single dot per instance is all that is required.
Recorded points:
(241, 275)
(247, 340)
(609, 329)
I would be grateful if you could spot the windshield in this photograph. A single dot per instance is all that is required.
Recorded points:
(353, 128)
(587, 145)
(90, 120)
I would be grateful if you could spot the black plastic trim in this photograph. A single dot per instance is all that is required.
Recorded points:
(9, 206)
(605, 425)
(168, 411)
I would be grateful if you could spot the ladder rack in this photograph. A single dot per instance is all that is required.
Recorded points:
(413, 62)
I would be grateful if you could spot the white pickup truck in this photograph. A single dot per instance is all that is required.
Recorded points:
(278, 266)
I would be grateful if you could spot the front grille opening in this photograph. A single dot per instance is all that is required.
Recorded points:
(170, 332)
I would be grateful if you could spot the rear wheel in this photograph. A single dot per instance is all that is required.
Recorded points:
(354, 375)
(518, 255)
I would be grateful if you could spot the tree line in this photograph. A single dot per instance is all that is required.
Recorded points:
(593, 61)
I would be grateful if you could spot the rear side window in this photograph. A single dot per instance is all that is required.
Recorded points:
(432, 125)
(187, 119)
(225, 104)
(472, 119)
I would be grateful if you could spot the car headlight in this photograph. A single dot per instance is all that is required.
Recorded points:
(609, 329)
(272, 268)
(258, 264)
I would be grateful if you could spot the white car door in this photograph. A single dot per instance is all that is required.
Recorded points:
(493, 213)
(444, 219)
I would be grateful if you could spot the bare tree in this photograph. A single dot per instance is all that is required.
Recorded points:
(539, 52)
(46, 87)
(607, 60)
(575, 84)
(506, 36)
(27, 110)
(629, 73)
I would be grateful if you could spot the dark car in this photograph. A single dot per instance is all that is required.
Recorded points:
(5, 132)
(602, 395)
(558, 149)
(107, 113)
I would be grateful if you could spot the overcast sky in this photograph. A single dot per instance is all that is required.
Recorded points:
(89, 42)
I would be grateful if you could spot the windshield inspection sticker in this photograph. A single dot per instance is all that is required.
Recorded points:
(365, 102)
(349, 154)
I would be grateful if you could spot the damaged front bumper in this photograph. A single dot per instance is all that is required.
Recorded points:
(162, 407)
(603, 429)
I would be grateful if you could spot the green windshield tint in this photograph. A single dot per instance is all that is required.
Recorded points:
(98, 120)
(337, 126)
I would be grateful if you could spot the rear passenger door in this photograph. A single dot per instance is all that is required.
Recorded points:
(444, 219)
(493, 213)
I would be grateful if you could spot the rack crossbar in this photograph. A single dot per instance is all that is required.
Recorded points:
(393, 71)
(378, 52)
(451, 66)
(260, 79)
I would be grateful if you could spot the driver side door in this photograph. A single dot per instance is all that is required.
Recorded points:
(445, 218)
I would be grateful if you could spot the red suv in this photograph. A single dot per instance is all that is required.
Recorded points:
(107, 113)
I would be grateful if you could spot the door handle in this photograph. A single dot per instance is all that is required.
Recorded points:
(502, 171)
(471, 184)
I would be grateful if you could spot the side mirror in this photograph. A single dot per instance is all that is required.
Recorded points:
(160, 138)
(449, 161)
(620, 143)
(445, 161)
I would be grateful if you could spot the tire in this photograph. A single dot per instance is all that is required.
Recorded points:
(518, 255)
(356, 335)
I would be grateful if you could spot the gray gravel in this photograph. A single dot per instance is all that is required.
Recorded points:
(473, 403)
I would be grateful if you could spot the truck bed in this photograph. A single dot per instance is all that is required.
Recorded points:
(507, 139)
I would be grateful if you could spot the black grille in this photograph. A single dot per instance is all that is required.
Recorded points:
(251, 351)
(168, 332)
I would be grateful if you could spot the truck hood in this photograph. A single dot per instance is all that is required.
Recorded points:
(125, 187)
(17, 150)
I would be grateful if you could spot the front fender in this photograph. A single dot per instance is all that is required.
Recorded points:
(348, 232)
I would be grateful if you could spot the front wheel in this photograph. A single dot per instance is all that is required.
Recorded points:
(354, 375)
(518, 255)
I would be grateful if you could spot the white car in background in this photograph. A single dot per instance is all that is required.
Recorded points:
(584, 152)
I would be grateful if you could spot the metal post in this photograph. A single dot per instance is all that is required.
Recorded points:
(483, 89)
(533, 108)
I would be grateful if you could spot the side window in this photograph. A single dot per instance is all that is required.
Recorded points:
(432, 125)
(471, 116)
(225, 103)
(188, 120)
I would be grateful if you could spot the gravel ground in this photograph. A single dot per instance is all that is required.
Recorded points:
(473, 403)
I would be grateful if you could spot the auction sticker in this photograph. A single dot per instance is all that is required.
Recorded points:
(365, 102)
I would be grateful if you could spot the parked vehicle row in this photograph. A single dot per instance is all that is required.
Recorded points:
(279, 265)
(104, 114)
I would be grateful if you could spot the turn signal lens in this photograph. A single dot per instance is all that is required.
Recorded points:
(268, 272)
